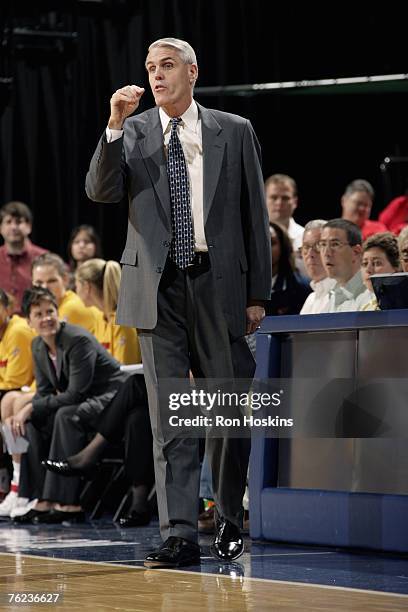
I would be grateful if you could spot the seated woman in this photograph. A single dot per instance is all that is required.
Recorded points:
(84, 243)
(16, 371)
(49, 271)
(380, 256)
(97, 283)
(289, 288)
(16, 367)
(76, 379)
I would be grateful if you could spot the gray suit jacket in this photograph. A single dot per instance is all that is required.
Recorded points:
(86, 374)
(235, 216)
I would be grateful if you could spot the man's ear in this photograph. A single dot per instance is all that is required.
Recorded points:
(193, 73)
(357, 250)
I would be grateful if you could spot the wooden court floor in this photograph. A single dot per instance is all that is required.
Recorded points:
(102, 586)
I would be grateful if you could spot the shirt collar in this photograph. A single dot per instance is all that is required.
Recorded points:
(189, 117)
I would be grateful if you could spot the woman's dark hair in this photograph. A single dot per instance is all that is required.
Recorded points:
(287, 258)
(93, 236)
(34, 296)
(388, 243)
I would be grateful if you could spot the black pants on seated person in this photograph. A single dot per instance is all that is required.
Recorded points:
(127, 417)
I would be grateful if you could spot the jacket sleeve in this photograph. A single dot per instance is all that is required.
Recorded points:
(82, 358)
(255, 219)
(106, 178)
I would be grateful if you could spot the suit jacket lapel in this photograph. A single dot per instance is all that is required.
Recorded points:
(213, 154)
(152, 150)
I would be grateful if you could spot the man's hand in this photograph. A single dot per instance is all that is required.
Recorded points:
(123, 103)
(254, 314)
(17, 422)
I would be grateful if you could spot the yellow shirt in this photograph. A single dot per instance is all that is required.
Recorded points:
(121, 342)
(72, 310)
(16, 363)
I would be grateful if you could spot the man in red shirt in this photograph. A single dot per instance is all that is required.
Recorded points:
(17, 252)
(356, 203)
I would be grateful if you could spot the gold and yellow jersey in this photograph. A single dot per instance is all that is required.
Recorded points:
(121, 342)
(16, 362)
(73, 310)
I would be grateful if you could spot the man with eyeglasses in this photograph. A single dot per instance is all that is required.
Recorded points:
(340, 247)
(320, 282)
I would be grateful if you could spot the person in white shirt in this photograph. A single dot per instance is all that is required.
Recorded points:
(380, 256)
(282, 200)
(320, 282)
(340, 249)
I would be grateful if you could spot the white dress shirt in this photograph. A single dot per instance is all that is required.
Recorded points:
(189, 133)
(343, 298)
(317, 301)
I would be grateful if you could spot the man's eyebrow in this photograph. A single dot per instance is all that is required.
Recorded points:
(164, 59)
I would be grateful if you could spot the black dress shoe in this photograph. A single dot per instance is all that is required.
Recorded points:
(28, 517)
(135, 519)
(59, 516)
(62, 468)
(228, 543)
(174, 552)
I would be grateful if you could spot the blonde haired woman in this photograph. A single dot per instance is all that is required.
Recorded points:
(97, 284)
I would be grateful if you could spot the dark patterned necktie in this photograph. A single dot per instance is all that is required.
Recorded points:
(182, 245)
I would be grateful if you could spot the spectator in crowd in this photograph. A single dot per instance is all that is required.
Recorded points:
(320, 282)
(403, 248)
(97, 283)
(289, 288)
(282, 200)
(76, 379)
(380, 256)
(340, 249)
(84, 243)
(356, 204)
(16, 371)
(17, 252)
(16, 368)
(395, 215)
(49, 271)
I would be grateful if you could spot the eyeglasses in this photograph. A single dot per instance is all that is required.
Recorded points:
(333, 245)
(305, 249)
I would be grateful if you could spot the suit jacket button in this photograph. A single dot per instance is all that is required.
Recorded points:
(159, 269)
(166, 243)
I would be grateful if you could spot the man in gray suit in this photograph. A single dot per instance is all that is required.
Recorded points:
(196, 273)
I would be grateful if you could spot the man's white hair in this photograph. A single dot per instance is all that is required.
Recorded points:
(185, 51)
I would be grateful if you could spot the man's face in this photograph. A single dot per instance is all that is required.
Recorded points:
(339, 258)
(356, 207)
(43, 319)
(311, 256)
(170, 79)
(48, 277)
(281, 202)
(14, 229)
